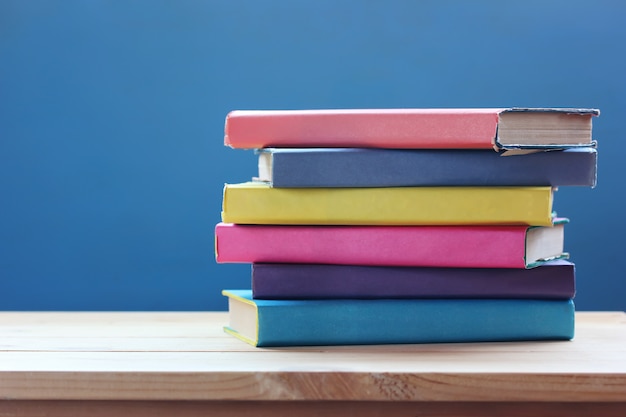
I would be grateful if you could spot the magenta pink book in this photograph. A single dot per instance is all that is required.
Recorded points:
(451, 246)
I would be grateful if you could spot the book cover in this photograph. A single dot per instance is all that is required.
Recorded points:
(497, 129)
(258, 203)
(435, 246)
(552, 280)
(383, 321)
(370, 167)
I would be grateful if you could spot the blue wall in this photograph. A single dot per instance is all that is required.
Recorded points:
(112, 112)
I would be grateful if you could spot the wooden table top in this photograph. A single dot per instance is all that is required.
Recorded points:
(187, 356)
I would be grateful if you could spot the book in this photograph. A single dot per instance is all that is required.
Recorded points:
(383, 321)
(370, 167)
(258, 203)
(552, 280)
(436, 246)
(498, 129)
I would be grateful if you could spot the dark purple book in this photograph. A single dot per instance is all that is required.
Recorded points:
(552, 280)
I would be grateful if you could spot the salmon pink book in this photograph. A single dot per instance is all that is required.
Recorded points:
(478, 128)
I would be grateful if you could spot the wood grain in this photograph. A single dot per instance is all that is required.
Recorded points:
(150, 357)
(304, 409)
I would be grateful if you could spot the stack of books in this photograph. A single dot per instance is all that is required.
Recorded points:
(404, 225)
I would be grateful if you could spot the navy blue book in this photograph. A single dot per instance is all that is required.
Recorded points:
(395, 321)
(366, 167)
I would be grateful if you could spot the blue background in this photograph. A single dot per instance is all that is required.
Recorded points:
(112, 113)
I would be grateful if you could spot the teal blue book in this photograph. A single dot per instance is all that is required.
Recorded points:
(330, 322)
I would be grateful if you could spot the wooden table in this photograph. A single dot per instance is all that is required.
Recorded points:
(182, 364)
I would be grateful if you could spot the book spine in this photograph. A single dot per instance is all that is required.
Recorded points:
(553, 280)
(401, 128)
(458, 247)
(252, 203)
(351, 167)
(346, 322)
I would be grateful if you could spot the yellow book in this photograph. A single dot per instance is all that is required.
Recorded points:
(258, 203)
